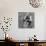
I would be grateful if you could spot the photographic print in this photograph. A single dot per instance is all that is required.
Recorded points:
(26, 19)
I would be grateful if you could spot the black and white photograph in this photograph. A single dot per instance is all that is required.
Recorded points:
(26, 19)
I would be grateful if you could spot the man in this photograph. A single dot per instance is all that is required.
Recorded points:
(27, 21)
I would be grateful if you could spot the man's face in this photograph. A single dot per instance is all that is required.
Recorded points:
(25, 24)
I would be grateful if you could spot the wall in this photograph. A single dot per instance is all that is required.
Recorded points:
(10, 8)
